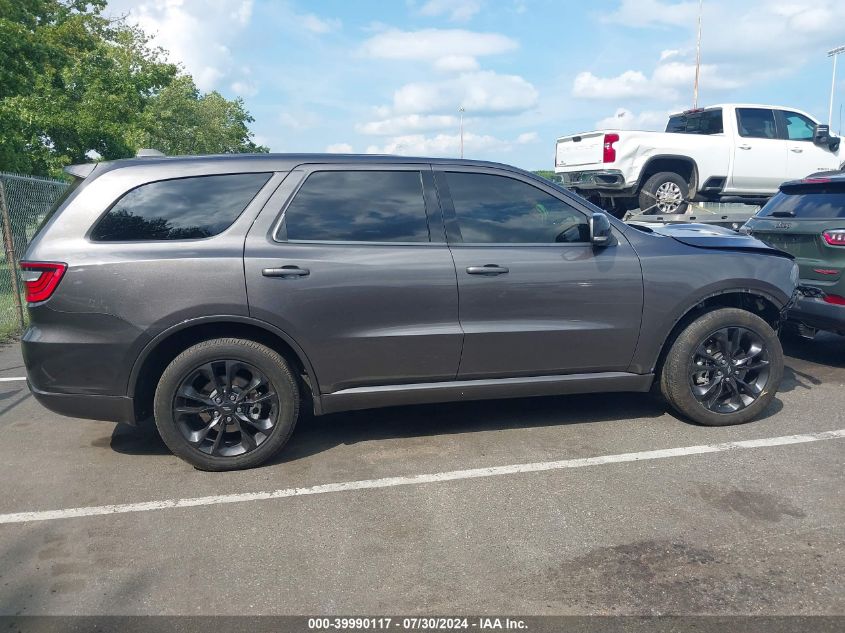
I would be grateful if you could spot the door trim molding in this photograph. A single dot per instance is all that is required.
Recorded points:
(486, 389)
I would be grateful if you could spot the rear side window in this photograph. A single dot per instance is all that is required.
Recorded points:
(179, 209)
(500, 210)
(756, 122)
(818, 204)
(359, 206)
(704, 122)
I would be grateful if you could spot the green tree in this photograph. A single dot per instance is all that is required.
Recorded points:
(181, 120)
(72, 82)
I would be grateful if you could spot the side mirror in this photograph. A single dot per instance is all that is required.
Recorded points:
(601, 231)
(821, 135)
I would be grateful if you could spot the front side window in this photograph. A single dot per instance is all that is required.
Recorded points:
(359, 206)
(179, 209)
(798, 127)
(493, 209)
(756, 122)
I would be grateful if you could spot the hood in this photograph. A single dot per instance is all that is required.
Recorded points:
(710, 236)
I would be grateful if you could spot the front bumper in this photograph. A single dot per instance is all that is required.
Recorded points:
(813, 311)
(88, 406)
(612, 179)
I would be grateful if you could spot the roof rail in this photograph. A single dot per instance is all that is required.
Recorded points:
(149, 153)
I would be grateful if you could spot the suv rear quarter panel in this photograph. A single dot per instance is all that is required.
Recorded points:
(117, 296)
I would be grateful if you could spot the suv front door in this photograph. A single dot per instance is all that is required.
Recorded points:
(804, 157)
(536, 298)
(353, 274)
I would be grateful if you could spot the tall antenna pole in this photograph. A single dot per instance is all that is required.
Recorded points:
(833, 53)
(461, 110)
(697, 58)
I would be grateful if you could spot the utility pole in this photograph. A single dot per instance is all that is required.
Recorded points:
(833, 53)
(697, 57)
(461, 110)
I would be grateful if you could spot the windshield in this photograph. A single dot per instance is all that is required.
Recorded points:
(701, 122)
(822, 204)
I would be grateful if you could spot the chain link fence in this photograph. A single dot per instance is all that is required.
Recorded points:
(24, 202)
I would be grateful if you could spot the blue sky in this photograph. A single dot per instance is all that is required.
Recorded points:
(389, 76)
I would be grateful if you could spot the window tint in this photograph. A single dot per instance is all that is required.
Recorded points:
(180, 209)
(822, 204)
(756, 122)
(798, 127)
(498, 209)
(703, 122)
(359, 206)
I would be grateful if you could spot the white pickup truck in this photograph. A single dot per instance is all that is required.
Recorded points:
(731, 152)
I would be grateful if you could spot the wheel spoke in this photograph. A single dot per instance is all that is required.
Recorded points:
(760, 364)
(188, 392)
(189, 410)
(208, 369)
(750, 388)
(198, 437)
(221, 428)
(262, 398)
(247, 440)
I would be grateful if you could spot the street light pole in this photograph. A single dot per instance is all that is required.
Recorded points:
(697, 57)
(461, 110)
(833, 53)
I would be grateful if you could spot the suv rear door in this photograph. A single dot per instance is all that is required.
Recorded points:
(535, 297)
(357, 272)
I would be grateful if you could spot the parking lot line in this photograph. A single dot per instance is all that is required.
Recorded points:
(13, 379)
(389, 482)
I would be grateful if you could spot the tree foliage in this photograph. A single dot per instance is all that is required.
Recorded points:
(73, 82)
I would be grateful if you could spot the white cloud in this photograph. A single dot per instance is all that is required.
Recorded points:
(654, 13)
(457, 10)
(407, 124)
(316, 24)
(432, 45)
(440, 145)
(482, 92)
(668, 81)
(245, 88)
(527, 137)
(196, 33)
(626, 120)
(339, 148)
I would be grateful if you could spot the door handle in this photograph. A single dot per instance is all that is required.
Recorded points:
(286, 272)
(797, 150)
(744, 147)
(487, 269)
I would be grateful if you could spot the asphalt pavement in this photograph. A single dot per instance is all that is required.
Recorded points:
(568, 505)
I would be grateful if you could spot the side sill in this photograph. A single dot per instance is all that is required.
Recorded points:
(463, 390)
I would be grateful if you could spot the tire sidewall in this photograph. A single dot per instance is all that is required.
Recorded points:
(270, 363)
(675, 376)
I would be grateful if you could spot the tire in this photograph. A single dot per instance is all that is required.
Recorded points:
(657, 191)
(686, 371)
(217, 377)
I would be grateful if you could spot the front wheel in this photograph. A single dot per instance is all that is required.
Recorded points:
(724, 368)
(226, 404)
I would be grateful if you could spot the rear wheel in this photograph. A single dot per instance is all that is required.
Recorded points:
(226, 404)
(664, 193)
(724, 368)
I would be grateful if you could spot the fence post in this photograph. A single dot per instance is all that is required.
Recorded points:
(11, 261)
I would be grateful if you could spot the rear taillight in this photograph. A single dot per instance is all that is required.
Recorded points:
(41, 279)
(835, 300)
(609, 152)
(835, 237)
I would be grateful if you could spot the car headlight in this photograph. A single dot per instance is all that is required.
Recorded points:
(795, 274)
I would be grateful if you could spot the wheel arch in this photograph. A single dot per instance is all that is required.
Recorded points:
(755, 301)
(159, 352)
(684, 166)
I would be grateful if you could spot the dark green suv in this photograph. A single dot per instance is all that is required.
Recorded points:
(807, 219)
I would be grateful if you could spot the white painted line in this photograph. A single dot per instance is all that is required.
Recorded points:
(388, 482)
(14, 379)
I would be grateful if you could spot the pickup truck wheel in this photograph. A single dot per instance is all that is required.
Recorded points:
(664, 193)
(724, 368)
(226, 404)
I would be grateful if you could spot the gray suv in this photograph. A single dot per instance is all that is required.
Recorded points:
(223, 295)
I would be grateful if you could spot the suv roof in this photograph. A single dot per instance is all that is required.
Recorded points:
(275, 162)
